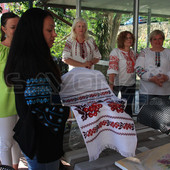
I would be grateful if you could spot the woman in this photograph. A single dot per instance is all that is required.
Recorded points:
(36, 79)
(9, 149)
(80, 49)
(153, 68)
(121, 68)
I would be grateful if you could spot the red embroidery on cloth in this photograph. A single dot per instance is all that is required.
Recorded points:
(106, 116)
(122, 134)
(97, 94)
(89, 110)
(89, 47)
(83, 49)
(119, 106)
(116, 125)
(113, 63)
(76, 50)
(67, 46)
(130, 61)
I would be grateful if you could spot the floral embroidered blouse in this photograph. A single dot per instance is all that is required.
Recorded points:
(122, 64)
(81, 52)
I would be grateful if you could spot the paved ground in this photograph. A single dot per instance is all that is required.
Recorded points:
(148, 138)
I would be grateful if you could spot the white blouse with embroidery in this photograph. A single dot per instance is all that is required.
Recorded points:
(146, 67)
(122, 64)
(81, 52)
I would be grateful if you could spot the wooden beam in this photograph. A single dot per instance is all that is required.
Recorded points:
(60, 18)
(102, 9)
(10, 1)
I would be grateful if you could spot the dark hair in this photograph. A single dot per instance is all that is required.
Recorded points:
(29, 53)
(4, 19)
(122, 37)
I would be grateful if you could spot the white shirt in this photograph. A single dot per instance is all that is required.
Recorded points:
(145, 68)
(81, 52)
(122, 64)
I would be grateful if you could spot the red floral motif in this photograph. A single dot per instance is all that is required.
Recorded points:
(113, 63)
(118, 106)
(89, 110)
(130, 61)
(117, 125)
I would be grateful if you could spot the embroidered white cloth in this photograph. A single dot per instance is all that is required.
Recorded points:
(99, 113)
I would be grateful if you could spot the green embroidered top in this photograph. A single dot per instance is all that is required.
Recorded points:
(7, 96)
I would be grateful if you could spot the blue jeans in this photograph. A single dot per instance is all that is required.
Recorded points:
(34, 165)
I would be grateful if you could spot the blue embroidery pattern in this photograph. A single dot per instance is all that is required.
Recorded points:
(52, 117)
(140, 71)
(37, 91)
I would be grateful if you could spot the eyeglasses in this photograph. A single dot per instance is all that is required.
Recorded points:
(128, 38)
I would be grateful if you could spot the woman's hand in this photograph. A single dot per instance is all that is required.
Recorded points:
(87, 64)
(156, 80)
(162, 78)
(159, 79)
(111, 81)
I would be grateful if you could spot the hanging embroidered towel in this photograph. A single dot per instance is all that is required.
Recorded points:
(99, 113)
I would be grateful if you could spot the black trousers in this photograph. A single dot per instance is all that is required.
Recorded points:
(127, 92)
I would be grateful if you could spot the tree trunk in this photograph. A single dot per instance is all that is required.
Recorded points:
(114, 24)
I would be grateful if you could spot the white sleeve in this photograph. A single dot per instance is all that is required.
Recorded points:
(67, 49)
(140, 66)
(113, 62)
(96, 52)
(168, 56)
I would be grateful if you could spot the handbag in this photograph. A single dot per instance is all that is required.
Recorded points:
(156, 114)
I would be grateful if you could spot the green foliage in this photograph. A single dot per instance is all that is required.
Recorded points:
(62, 29)
(102, 35)
(97, 25)
(19, 7)
(141, 45)
(167, 43)
(125, 17)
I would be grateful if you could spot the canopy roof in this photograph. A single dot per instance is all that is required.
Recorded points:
(157, 7)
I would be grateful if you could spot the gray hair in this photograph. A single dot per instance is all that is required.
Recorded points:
(73, 34)
(156, 32)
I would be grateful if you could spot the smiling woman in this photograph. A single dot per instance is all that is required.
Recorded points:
(153, 67)
(121, 68)
(80, 50)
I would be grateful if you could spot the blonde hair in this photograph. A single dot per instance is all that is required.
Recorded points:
(156, 32)
(73, 34)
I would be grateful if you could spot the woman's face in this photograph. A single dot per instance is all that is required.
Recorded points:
(128, 41)
(157, 41)
(10, 27)
(49, 31)
(80, 29)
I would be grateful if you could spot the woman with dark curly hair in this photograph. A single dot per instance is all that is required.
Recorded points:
(121, 68)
